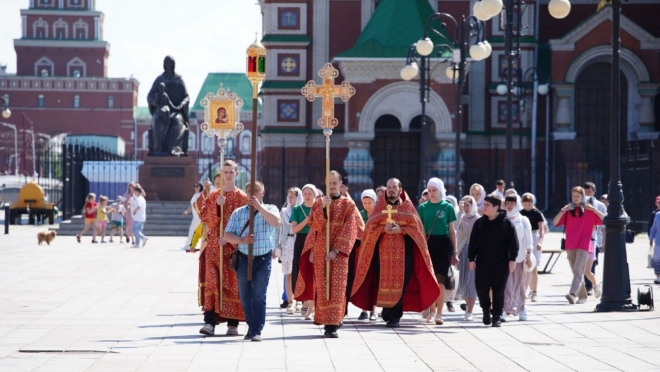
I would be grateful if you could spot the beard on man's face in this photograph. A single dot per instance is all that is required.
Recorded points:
(392, 195)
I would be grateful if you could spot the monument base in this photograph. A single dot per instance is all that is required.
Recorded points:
(168, 178)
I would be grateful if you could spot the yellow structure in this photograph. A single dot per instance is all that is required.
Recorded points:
(32, 200)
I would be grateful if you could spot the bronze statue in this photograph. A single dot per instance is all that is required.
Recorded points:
(168, 105)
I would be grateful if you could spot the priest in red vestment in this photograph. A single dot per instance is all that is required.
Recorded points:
(345, 222)
(394, 268)
(209, 259)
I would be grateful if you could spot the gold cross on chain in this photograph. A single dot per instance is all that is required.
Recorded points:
(389, 212)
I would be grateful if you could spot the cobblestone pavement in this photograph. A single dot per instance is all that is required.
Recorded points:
(106, 307)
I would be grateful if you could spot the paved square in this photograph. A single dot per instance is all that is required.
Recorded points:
(106, 307)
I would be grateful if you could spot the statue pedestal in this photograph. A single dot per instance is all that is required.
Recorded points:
(168, 178)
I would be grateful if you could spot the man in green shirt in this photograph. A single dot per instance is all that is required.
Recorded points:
(438, 218)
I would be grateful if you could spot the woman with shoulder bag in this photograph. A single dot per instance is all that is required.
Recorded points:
(579, 219)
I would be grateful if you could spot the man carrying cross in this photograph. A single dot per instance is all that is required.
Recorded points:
(345, 222)
(394, 267)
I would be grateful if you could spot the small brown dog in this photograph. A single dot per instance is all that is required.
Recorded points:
(46, 236)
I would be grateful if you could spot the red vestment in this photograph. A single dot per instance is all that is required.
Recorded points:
(210, 258)
(344, 227)
(422, 289)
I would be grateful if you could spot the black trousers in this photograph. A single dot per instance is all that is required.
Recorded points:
(210, 317)
(295, 267)
(396, 312)
(491, 279)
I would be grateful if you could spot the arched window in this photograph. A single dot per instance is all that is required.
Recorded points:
(229, 150)
(145, 140)
(111, 102)
(80, 29)
(61, 29)
(207, 144)
(76, 101)
(41, 101)
(191, 140)
(40, 29)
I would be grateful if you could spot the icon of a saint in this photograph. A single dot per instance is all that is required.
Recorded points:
(221, 116)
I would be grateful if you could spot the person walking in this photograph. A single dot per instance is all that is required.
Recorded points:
(117, 218)
(492, 253)
(286, 242)
(253, 292)
(196, 222)
(579, 219)
(438, 216)
(516, 285)
(89, 209)
(303, 288)
(537, 222)
(466, 288)
(139, 211)
(654, 240)
(596, 238)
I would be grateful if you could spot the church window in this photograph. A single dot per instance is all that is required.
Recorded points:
(288, 64)
(44, 67)
(80, 29)
(76, 101)
(191, 140)
(246, 142)
(229, 150)
(502, 112)
(111, 102)
(207, 144)
(287, 110)
(61, 29)
(40, 29)
(41, 101)
(288, 18)
(76, 64)
(145, 140)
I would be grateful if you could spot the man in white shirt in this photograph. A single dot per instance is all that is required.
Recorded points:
(139, 210)
(597, 236)
(499, 189)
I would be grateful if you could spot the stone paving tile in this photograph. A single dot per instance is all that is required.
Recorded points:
(141, 304)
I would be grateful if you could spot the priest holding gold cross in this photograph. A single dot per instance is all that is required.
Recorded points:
(394, 268)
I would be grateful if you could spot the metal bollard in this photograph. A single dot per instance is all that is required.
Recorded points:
(6, 208)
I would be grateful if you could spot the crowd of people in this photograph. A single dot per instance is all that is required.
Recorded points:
(390, 255)
(126, 215)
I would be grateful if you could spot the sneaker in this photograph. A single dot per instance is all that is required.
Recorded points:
(522, 316)
(232, 331)
(571, 298)
(450, 306)
(468, 317)
(332, 334)
(284, 305)
(373, 317)
(392, 323)
(534, 297)
(247, 337)
(486, 318)
(289, 309)
(503, 317)
(464, 307)
(145, 242)
(497, 322)
(256, 338)
(597, 291)
(438, 320)
(581, 301)
(135, 246)
(208, 330)
(363, 316)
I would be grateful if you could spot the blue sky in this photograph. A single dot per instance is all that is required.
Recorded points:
(203, 36)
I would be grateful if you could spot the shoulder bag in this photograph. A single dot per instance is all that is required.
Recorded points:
(233, 258)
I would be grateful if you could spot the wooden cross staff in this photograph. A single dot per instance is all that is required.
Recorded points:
(328, 92)
(389, 212)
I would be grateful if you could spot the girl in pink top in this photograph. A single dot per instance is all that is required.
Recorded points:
(579, 219)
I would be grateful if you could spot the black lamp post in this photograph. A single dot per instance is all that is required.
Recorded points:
(458, 49)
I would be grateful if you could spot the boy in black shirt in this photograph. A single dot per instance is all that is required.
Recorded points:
(492, 253)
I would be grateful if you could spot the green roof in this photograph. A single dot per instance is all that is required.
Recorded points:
(394, 26)
(282, 84)
(286, 39)
(141, 112)
(235, 82)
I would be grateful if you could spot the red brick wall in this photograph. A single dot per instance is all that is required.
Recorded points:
(27, 56)
(50, 19)
(345, 25)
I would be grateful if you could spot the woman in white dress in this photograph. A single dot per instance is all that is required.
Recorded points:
(196, 219)
(287, 240)
(466, 287)
(516, 285)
